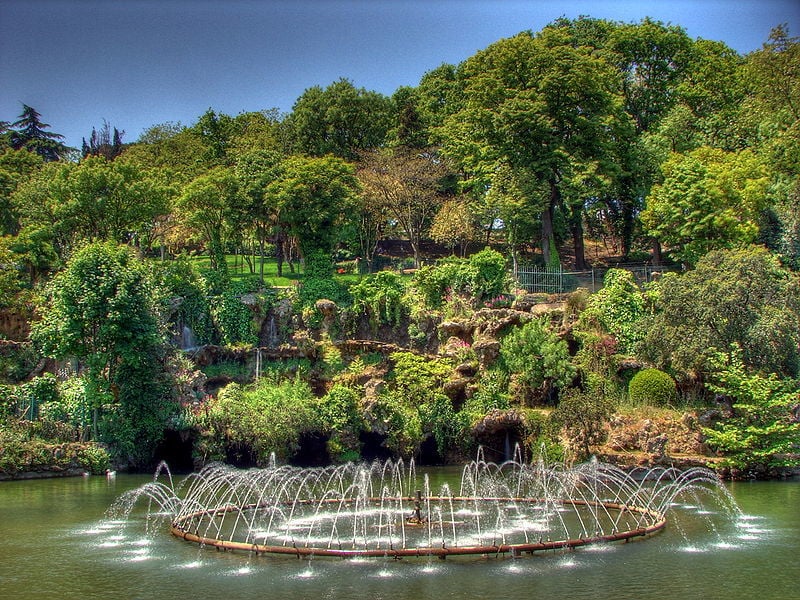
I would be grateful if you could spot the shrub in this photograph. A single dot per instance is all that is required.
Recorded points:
(492, 394)
(482, 277)
(488, 277)
(419, 377)
(537, 357)
(438, 418)
(263, 418)
(582, 416)
(733, 297)
(652, 387)
(381, 296)
(94, 458)
(761, 432)
(402, 423)
(233, 317)
(340, 415)
(618, 309)
(178, 278)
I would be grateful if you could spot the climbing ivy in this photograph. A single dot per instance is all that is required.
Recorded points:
(382, 297)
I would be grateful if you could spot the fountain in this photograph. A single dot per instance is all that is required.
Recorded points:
(385, 509)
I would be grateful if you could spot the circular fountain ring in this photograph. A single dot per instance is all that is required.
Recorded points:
(385, 509)
(180, 529)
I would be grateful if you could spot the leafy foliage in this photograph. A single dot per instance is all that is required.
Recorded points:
(340, 416)
(618, 309)
(582, 416)
(234, 318)
(537, 359)
(762, 431)
(101, 311)
(651, 387)
(482, 276)
(709, 199)
(260, 419)
(418, 377)
(382, 297)
(742, 297)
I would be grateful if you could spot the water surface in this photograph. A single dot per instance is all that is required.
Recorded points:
(56, 543)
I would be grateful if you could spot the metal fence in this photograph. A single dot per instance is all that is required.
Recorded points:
(536, 279)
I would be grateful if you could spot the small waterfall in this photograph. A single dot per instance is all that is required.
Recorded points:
(258, 363)
(188, 342)
(272, 332)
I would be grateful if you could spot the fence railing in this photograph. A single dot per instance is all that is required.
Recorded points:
(536, 279)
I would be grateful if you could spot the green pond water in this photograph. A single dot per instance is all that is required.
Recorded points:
(56, 543)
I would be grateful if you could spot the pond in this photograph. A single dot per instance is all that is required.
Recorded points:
(56, 543)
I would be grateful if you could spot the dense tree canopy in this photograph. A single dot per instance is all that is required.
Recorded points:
(633, 137)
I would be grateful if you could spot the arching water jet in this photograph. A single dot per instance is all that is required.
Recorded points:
(383, 510)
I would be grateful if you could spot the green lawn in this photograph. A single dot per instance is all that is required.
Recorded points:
(239, 270)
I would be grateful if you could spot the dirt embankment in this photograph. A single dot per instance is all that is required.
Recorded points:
(655, 438)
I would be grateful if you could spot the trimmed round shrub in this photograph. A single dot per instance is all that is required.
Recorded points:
(652, 387)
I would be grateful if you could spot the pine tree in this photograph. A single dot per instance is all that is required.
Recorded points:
(30, 134)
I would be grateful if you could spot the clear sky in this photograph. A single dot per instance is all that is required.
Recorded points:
(137, 63)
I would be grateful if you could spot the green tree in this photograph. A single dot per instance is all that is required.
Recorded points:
(170, 147)
(207, 204)
(30, 134)
(537, 359)
(16, 166)
(545, 108)
(507, 201)
(732, 297)
(100, 311)
(761, 433)
(106, 143)
(101, 200)
(582, 416)
(770, 121)
(709, 199)
(259, 211)
(341, 120)
(313, 196)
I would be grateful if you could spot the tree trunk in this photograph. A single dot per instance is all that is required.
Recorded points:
(279, 252)
(261, 262)
(657, 258)
(415, 250)
(549, 251)
(628, 218)
(576, 227)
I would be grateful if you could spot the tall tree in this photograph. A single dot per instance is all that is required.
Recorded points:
(106, 142)
(341, 120)
(770, 119)
(259, 210)
(404, 184)
(100, 310)
(15, 167)
(98, 200)
(208, 204)
(313, 196)
(30, 134)
(545, 108)
(709, 199)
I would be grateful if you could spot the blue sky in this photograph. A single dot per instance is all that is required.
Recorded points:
(137, 63)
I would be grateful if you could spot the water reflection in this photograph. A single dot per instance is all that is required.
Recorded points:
(56, 544)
